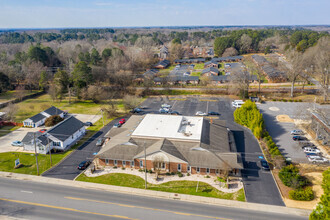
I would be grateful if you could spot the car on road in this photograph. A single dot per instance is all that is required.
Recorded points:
(122, 121)
(199, 113)
(83, 165)
(88, 123)
(311, 150)
(17, 143)
(136, 110)
(164, 110)
(264, 164)
(318, 160)
(117, 125)
(297, 132)
(100, 142)
(214, 113)
(298, 138)
(166, 106)
(174, 113)
(42, 130)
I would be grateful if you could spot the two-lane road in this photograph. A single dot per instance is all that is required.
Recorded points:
(32, 200)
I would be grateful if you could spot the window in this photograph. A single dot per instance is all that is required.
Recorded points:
(197, 169)
(132, 163)
(163, 165)
(207, 170)
(188, 168)
(124, 163)
(107, 161)
(141, 164)
(57, 144)
(179, 167)
(217, 171)
(115, 162)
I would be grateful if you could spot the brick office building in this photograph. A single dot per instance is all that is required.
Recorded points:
(171, 144)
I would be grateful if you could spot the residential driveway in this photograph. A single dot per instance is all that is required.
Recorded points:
(67, 169)
(260, 186)
(280, 131)
(17, 135)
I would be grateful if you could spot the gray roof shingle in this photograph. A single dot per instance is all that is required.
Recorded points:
(66, 128)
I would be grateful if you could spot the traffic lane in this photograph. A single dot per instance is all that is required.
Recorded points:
(122, 204)
(67, 169)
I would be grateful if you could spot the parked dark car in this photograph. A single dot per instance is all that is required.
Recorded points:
(99, 142)
(174, 113)
(264, 165)
(136, 110)
(117, 125)
(88, 123)
(298, 138)
(83, 165)
(214, 113)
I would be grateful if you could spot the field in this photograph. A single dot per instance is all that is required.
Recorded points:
(33, 106)
(7, 129)
(12, 95)
(183, 187)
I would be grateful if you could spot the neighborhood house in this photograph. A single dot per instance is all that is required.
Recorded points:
(60, 137)
(40, 118)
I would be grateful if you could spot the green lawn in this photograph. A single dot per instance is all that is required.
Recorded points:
(183, 187)
(7, 129)
(33, 106)
(5, 96)
(199, 66)
(195, 74)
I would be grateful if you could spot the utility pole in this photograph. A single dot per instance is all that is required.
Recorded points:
(35, 150)
(50, 153)
(145, 162)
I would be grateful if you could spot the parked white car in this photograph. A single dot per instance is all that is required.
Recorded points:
(297, 132)
(199, 113)
(318, 159)
(166, 106)
(311, 150)
(237, 103)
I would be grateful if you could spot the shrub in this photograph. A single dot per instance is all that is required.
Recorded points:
(140, 170)
(123, 168)
(207, 176)
(180, 174)
(150, 171)
(115, 167)
(290, 176)
(167, 174)
(188, 174)
(290, 100)
(172, 173)
(274, 100)
(305, 194)
(284, 100)
(300, 100)
(53, 120)
(221, 179)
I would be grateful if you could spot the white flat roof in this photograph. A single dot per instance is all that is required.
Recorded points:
(170, 126)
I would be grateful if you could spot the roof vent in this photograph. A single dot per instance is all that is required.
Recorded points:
(199, 149)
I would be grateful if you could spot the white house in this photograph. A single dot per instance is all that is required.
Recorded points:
(60, 137)
(40, 118)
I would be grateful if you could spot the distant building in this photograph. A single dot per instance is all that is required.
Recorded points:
(211, 63)
(228, 59)
(210, 71)
(40, 118)
(272, 75)
(162, 64)
(320, 125)
(163, 52)
(187, 61)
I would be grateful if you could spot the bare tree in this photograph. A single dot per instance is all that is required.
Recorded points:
(245, 43)
(33, 71)
(231, 51)
(241, 80)
(11, 111)
(176, 52)
(20, 92)
(131, 101)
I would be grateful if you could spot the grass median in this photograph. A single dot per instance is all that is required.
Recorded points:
(182, 187)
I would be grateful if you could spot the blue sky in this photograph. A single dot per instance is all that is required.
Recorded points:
(128, 13)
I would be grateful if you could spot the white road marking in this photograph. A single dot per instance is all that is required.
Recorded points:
(26, 191)
(207, 107)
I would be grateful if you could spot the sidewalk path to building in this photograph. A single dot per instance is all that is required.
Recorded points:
(164, 179)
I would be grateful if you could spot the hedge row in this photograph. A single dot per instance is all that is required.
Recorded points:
(303, 194)
(249, 116)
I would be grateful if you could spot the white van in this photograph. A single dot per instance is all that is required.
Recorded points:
(237, 103)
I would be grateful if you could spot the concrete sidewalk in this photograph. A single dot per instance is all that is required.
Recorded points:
(157, 194)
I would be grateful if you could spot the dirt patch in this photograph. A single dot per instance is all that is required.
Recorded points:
(315, 178)
(284, 118)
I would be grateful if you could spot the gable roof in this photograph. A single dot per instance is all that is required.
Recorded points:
(163, 63)
(29, 137)
(53, 111)
(210, 69)
(231, 58)
(37, 117)
(66, 128)
(44, 140)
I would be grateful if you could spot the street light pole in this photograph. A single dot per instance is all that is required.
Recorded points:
(145, 164)
(35, 150)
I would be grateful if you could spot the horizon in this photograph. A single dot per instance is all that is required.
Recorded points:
(60, 14)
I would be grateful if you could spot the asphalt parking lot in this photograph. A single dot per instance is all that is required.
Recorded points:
(280, 131)
(259, 185)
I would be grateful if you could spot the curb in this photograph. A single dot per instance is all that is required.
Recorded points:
(160, 195)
